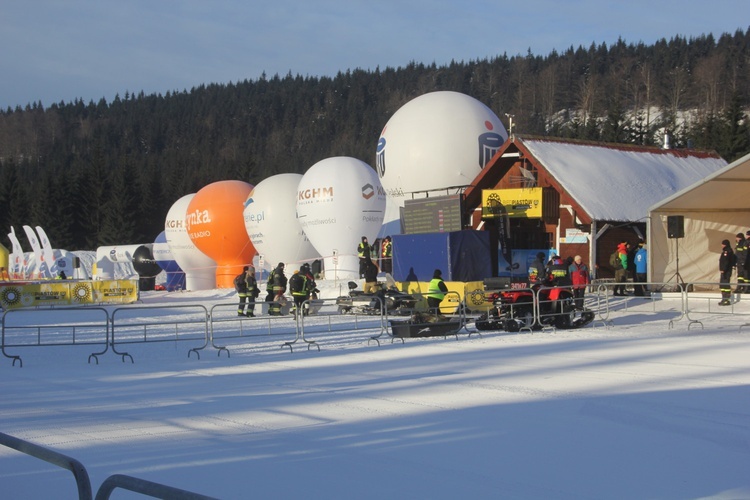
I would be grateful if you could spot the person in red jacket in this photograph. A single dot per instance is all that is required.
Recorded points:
(579, 274)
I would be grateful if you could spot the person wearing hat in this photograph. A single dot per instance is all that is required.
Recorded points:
(277, 282)
(298, 287)
(436, 291)
(740, 253)
(621, 268)
(363, 252)
(557, 272)
(726, 264)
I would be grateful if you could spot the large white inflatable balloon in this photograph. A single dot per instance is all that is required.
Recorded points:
(200, 270)
(271, 222)
(435, 141)
(339, 200)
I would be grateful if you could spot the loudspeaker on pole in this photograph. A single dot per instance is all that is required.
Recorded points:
(675, 226)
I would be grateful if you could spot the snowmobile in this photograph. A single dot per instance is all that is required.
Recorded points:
(395, 301)
(513, 309)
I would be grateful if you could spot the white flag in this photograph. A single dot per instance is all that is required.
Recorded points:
(43, 271)
(17, 257)
(49, 255)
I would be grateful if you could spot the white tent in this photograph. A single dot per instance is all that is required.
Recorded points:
(714, 209)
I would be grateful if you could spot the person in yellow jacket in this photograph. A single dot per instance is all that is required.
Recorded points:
(436, 291)
(386, 255)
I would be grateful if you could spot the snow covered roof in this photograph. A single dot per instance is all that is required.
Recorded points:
(609, 182)
(619, 182)
(727, 188)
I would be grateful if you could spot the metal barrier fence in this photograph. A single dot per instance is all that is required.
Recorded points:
(537, 310)
(606, 304)
(127, 325)
(540, 308)
(81, 475)
(65, 333)
(193, 314)
(322, 316)
(225, 324)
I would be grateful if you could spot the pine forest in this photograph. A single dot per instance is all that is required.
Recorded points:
(106, 173)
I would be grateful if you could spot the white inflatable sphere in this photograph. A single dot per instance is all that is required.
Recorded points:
(435, 141)
(200, 270)
(271, 222)
(339, 200)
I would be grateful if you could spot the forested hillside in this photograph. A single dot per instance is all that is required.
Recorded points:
(103, 173)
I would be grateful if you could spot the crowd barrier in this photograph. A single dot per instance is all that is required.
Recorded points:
(127, 324)
(193, 318)
(83, 482)
(54, 327)
(691, 302)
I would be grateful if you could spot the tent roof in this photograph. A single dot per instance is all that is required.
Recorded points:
(725, 189)
(615, 182)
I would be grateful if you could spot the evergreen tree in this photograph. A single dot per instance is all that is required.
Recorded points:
(735, 142)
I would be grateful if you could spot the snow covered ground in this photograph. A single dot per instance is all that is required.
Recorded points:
(635, 409)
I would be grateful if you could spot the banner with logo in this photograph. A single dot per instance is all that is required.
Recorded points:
(115, 291)
(49, 255)
(17, 259)
(519, 202)
(42, 270)
(67, 293)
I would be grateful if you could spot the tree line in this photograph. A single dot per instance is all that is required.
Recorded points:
(105, 173)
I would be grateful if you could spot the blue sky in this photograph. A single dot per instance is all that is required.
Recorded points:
(55, 50)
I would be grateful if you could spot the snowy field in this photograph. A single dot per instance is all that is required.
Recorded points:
(628, 410)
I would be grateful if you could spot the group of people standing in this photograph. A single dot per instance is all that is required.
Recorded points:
(729, 260)
(365, 254)
(558, 272)
(301, 285)
(629, 262)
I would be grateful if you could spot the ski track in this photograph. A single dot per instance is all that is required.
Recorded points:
(394, 406)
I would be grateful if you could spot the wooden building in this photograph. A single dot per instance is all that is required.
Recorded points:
(578, 197)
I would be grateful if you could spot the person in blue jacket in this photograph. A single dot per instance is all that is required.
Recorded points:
(641, 257)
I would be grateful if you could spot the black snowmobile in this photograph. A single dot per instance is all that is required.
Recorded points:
(396, 302)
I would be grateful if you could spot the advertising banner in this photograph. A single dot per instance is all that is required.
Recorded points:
(67, 293)
(43, 269)
(115, 291)
(17, 262)
(519, 202)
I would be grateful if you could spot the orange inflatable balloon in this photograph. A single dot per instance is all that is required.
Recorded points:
(216, 226)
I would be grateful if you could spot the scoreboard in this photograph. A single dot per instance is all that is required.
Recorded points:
(437, 214)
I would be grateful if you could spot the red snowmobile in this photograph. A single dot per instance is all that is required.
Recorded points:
(513, 308)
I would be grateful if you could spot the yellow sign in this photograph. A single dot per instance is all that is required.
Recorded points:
(67, 293)
(519, 202)
(115, 291)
